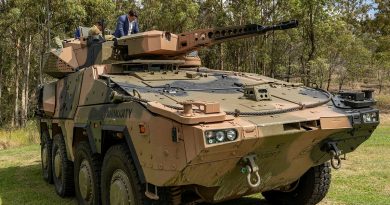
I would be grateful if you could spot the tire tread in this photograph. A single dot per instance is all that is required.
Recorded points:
(68, 183)
(96, 164)
(47, 174)
(164, 193)
(313, 187)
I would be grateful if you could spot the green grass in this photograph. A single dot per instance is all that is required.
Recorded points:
(365, 176)
(21, 181)
(363, 179)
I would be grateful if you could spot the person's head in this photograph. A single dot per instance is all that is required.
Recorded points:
(99, 25)
(132, 15)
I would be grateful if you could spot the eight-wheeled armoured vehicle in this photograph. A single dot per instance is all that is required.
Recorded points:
(127, 122)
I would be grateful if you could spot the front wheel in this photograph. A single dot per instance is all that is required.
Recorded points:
(310, 189)
(87, 175)
(119, 182)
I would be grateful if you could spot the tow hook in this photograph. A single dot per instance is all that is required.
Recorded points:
(335, 153)
(250, 168)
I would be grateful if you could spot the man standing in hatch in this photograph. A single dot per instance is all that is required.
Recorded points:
(127, 24)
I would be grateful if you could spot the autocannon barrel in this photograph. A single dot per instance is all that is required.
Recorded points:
(205, 37)
(160, 43)
(248, 30)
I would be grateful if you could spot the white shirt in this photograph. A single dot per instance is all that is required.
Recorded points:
(131, 25)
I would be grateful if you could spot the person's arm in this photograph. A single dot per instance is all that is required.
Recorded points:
(119, 27)
(136, 29)
(77, 34)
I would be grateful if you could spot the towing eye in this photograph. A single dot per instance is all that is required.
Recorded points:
(250, 168)
(335, 153)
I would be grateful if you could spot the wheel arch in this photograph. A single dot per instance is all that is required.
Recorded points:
(49, 127)
(113, 135)
(81, 133)
(110, 135)
(55, 129)
(44, 128)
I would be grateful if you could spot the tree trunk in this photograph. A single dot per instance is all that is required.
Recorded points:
(221, 57)
(341, 83)
(48, 26)
(16, 115)
(312, 43)
(1, 83)
(289, 68)
(23, 87)
(40, 68)
(272, 74)
(380, 80)
(329, 77)
(25, 90)
(263, 64)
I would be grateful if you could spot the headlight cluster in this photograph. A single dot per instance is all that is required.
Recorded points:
(220, 136)
(370, 117)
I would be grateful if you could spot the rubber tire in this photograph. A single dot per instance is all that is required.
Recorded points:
(64, 186)
(312, 188)
(119, 157)
(83, 151)
(46, 172)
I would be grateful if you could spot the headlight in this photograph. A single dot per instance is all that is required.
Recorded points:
(210, 137)
(209, 134)
(231, 135)
(370, 117)
(220, 136)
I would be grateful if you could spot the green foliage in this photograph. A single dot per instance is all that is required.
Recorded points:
(339, 43)
(174, 16)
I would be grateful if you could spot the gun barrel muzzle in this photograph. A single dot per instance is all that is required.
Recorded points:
(287, 25)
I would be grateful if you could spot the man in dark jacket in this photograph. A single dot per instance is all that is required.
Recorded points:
(127, 24)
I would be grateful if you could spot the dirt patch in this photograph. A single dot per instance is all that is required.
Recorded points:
(4, 145)
(383, 103)
(385, 118)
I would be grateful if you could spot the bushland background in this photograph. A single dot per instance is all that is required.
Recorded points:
(340, 44)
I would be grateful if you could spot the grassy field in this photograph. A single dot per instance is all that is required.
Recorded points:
(364, 178)
(21, 137)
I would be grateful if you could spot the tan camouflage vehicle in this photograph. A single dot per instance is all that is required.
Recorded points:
(125, 124)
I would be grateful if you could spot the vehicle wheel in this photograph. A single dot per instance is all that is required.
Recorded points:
(87, 175)
(311, 188)
(62, 168)
(46, 146)
(120, 183)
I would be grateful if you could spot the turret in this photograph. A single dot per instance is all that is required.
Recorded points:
(75, 54)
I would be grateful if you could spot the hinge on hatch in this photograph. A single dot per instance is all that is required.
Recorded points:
(204, 107)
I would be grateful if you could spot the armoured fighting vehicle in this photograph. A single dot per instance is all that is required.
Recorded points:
(126, 124)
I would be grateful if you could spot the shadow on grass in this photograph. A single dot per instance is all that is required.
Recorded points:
(25, 185)
(244, 201)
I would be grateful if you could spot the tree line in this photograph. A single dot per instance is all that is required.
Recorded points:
(338, 42)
